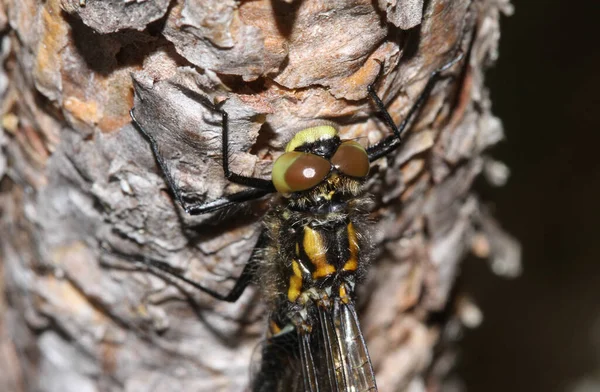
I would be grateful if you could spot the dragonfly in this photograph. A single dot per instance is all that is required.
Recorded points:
(313, 250)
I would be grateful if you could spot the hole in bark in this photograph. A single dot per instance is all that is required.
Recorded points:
(105, 53)
(265, 135)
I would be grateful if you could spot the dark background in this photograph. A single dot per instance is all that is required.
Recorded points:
(541, 332)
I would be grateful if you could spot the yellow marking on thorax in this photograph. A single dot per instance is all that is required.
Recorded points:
(316, 252)
(295, 282)
(329, 195)
(352, 262)
(344, 294)
(274, 329)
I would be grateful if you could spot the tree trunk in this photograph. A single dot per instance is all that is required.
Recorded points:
(77, 176)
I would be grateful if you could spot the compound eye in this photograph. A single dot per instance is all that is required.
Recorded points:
(351, 159)
(296, 171)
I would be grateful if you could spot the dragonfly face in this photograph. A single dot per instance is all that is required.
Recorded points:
(313, 251)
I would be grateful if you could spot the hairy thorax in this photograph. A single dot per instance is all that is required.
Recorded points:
(319, 248)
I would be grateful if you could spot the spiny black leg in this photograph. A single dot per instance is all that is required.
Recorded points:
(202, 207)
(253, 182)
(232, 296)
(392, 142)
(225, 201)
(241, 283)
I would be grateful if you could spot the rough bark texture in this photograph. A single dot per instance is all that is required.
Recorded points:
(76, 175)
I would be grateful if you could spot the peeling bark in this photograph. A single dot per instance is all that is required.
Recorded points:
(76, 175)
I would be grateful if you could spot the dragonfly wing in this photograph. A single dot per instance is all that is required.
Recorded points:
(277, 365)
(309, 367)
(356, 370)
(287, 365)
(332, 357)
(333, 363)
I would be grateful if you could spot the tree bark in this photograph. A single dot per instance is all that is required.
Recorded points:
(76, 175)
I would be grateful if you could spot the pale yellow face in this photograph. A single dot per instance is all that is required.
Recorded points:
(311, 135)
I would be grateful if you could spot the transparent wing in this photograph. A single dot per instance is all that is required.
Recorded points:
(278, 366)
(354, 369)
(310, 376)
(332, 357)
(348, 366)
(338, 359)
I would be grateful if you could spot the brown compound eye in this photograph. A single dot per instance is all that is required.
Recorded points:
(351, 159)
(296, 171)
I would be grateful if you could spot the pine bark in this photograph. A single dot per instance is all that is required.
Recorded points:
(77, 176)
